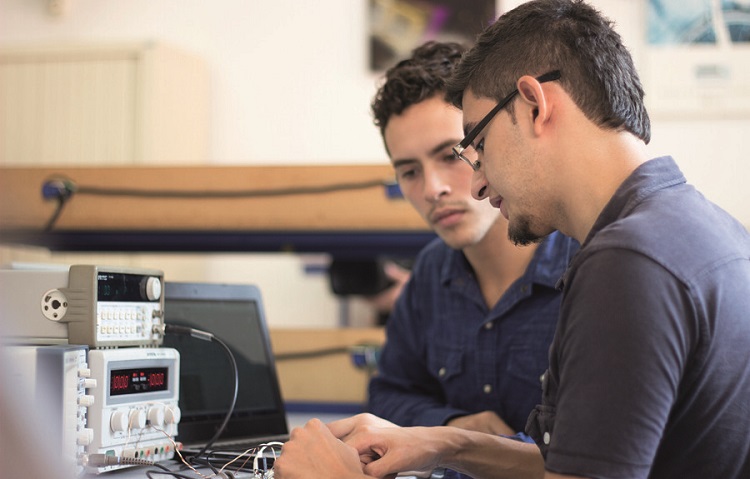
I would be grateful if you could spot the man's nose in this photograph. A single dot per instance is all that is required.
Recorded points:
(478, 185)
(435, 185)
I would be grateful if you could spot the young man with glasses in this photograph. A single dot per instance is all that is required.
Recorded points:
(650, 366)
(468, 338)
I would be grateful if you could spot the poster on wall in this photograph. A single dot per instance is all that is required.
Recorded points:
(697, 60)
(396, 27)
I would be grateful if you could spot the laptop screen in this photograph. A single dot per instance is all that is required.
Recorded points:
(233, 313)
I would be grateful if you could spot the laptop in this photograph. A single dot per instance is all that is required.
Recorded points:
(233, 313)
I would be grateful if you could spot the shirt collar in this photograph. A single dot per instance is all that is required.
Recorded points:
(651, 176)
(548, 264)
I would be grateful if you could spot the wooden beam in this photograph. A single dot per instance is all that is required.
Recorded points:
(328, 378)
(23, 207)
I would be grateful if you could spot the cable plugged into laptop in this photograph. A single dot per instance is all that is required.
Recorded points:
(195, 333)
(206, 336)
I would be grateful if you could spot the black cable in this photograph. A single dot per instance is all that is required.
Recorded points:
(245, 466)
(62, 189)
(61, 201)
(212, 463)
(206, 336)
(317, 353)
(248, 193)
(162, 467)
(150, 474)
(198, 461)
(302, 190)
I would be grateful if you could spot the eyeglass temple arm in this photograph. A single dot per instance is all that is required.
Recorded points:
(546, 77)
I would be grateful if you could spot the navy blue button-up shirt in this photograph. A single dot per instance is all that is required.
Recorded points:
(448, 355)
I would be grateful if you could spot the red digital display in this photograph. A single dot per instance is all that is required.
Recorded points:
(140, 380)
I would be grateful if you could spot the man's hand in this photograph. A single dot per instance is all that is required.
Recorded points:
(386, 449)
(344, 427)
(312, 452)
(486, 421)
(369, 447)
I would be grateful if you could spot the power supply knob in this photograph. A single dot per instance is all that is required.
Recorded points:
(153, 288)
(137, 419)
(86, 400)
(173, 415)
(119, 421)
(156, 416)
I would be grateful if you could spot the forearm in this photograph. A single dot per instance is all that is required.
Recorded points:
(485, 456)
(407, 407)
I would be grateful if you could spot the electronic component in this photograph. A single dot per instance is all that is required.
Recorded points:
(136, 411)
(91, 305)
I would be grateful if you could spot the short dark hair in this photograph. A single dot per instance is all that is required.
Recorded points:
(421, 76)
(567, 35)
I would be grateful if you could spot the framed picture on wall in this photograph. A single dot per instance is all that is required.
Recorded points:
(396, 27)
(697, 58)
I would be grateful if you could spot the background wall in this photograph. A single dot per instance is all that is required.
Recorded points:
(290, 84)
(290, 78)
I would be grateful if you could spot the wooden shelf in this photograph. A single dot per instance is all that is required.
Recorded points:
(350, 221)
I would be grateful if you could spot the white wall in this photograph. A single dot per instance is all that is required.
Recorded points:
(291, 85)
(290, 78)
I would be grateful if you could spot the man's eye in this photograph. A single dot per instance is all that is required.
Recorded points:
(406, 174)
(480, 145)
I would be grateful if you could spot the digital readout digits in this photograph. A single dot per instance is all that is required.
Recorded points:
(134, 381)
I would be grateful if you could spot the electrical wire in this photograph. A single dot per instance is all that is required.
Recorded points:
(62, 189)
(206, 336)
(103, 460)
(256, 453)
(249, 193)
(204, 457)
(55, 214)
(317, 353)
(363, 355)
(178, 475)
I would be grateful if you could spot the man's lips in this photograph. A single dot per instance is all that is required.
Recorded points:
(496, 201)
(440, 215)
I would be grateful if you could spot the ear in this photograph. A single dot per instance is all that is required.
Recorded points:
(532, 94)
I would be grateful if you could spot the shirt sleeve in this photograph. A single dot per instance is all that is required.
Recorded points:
(622, 345)
(404, 391)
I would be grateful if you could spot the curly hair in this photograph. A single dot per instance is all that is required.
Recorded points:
(415, 79)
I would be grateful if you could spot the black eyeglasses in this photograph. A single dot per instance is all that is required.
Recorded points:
(459, 149)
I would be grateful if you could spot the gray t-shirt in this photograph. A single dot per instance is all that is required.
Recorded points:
(650, 366)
